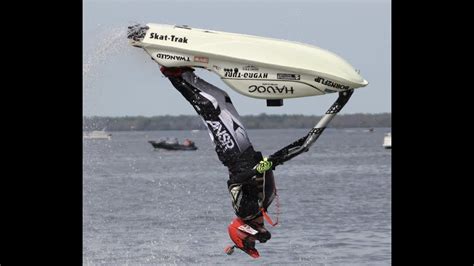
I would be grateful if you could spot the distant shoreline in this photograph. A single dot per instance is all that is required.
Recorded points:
(262, 121)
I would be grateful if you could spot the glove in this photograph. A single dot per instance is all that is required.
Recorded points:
(264, 165)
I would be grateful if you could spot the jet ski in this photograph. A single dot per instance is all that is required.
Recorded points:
(258, 67)
(254, 66)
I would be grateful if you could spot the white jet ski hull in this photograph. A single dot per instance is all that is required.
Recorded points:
(253, 66)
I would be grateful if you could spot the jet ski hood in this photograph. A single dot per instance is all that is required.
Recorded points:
(241, 60)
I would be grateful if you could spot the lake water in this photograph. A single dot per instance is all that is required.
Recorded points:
(147, 207)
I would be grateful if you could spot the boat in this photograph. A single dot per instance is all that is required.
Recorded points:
(97, 134)
(387, 141)
(187, 145)
(257, 67)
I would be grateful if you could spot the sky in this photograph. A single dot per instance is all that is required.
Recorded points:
(121, 80)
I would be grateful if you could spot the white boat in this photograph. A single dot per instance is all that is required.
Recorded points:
(387, 141)
(97, 135)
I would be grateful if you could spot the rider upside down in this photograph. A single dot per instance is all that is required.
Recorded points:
(251, 182)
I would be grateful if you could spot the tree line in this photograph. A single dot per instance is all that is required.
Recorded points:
(261, 121)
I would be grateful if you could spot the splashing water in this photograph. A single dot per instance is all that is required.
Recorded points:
(111, 43)
(107, 47)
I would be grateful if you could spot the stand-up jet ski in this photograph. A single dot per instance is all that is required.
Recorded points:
(254, 66)
(257, 67)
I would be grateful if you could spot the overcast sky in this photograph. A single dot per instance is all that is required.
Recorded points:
(121, 80)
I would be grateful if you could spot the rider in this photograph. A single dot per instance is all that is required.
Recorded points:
(251, 182)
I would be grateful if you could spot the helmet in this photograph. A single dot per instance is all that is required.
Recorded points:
(243, 236)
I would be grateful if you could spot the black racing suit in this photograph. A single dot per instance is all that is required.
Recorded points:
(249, 190)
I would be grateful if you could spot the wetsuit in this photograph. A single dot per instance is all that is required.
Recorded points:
(232, 144)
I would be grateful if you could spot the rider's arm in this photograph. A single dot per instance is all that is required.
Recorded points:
(303, 144)
(288, 152)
